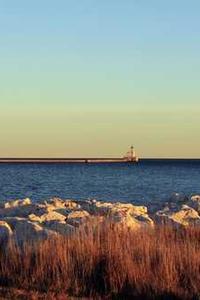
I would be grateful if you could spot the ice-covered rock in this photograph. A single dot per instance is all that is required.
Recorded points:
(59, 227)
(88, 205)
(77, 217)
(34, 218)
(25, 230)
(102, 208)
(37, 221)
(60, 203)
(129, 215)
(49, 216)
(185, 215)
(70, 204)
(125, 214)
(19, 202)
(129, 208)
(23, 211)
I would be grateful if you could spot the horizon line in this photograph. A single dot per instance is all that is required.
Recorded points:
(89, 157)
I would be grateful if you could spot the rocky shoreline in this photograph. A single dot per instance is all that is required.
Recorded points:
(22, 220)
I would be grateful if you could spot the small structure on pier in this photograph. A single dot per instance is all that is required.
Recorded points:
(131, 155)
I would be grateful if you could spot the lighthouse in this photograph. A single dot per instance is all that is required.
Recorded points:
(131, 155)
(132, 152)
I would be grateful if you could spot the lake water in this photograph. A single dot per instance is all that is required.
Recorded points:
(143, 183)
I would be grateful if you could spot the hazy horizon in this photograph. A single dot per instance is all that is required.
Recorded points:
(91, 78)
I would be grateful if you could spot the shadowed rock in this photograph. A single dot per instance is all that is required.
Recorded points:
(59, 227)
(60, 203)
(195, 202)
(184, 215)
(77, 217)
(25, 230)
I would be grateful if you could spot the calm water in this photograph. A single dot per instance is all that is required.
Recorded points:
(145, 182)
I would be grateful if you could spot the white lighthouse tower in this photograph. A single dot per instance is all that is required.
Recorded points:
(131, 155)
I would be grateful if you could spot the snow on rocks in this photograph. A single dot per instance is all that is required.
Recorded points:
(25, 220)
(60, 203)
(185, 215)
(49, 216)
(24, 230)
(129, 215)
(77, 217)
(16, 203)
(59, 227)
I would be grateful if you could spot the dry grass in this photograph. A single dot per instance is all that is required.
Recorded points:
(105, 262)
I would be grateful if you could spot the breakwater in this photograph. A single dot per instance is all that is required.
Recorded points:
(67, 160)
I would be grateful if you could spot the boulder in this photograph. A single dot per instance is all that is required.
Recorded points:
(129, 222)
(49, 216)
(194, 202)
(129, 208)
(34, 218)
(57, 204)
(102, 208)
(177, 199)
(22, 208)
(15, 203)
(77, 217)
(70, 204)
(22, 211)
(60, 203)
(122, 214)
(185, 215)
(88, 205)
(59, 227)
(24, 230)
(130, 216)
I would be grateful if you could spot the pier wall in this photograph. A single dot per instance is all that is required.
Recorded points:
(66, 160)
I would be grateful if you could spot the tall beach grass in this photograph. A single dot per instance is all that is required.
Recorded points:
(103, 261)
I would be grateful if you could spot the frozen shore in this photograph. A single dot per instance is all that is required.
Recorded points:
(23, 220)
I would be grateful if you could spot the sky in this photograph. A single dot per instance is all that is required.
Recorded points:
(91, 78)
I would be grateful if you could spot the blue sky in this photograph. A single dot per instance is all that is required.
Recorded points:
(93, 77)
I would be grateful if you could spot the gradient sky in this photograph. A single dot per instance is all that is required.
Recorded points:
(90, 78)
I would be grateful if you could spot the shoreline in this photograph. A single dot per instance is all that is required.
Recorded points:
(63, 249)
(26, 220)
